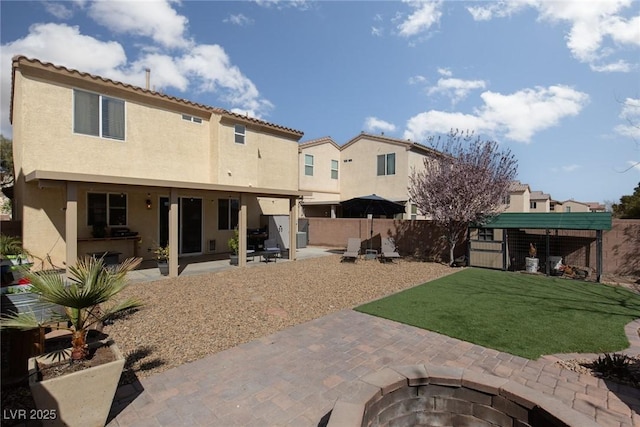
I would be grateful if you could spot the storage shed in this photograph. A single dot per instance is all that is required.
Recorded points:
(556, 240)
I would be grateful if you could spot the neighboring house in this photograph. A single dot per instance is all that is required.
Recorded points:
(519, 199)
(571, 206)
(596, 207)
(90, 151)
(366, 164)
(539, 202)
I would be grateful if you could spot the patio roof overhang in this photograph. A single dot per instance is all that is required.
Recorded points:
(45, 178)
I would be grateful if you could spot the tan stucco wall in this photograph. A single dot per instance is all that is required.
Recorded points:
(518, 202)
(541, 206)
(361, 172)
(321, 180)
(158, 143)
(264, 160)
(575, 207)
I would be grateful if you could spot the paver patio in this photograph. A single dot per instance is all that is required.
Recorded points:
(294, 377)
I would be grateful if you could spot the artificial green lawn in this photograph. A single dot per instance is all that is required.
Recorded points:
(522, 314)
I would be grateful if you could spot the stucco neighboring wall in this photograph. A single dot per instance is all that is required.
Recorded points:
(321, 180)
(360, 170)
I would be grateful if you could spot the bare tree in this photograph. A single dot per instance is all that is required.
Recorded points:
(467, 184)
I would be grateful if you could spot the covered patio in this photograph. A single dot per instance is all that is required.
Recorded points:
(72, 186)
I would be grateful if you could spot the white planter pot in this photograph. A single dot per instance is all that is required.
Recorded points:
(80, 398)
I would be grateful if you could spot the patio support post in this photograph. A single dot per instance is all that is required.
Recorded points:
(547, 254)
(242, 231)
(173, 233)
(293, 227)
(71, 223)
(599, 262)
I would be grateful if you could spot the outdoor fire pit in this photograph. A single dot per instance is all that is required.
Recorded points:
(428, 395)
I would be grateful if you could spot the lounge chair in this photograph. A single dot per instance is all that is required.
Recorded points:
(353, 249)
(388, 250)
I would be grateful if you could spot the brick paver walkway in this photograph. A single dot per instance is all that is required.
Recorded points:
(293, 377)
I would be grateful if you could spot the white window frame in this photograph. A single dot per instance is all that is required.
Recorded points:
(239, 137)
(334, 169)
(231, 213)
(387, 163)
(533, 205)
(193, 119)
(308, 166)
(101, 97)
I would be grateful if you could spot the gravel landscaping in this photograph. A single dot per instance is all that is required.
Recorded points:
(190, 317)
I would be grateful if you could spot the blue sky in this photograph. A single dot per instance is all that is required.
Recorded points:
(558, 83)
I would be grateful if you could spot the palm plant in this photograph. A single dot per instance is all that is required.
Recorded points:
(10, 245)
(87, 298)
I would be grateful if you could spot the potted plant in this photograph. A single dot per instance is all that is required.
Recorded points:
(234, 244)
(162, 256)
(84, 396)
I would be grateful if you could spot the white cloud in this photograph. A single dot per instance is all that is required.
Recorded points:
(424, 16)
(445, 72)
(570, 168)
(417, 80)
(57, 9)
(376, 31)
(631, 115)
(517, 116)
(156, 19)
(591, 28)
(373, 124)
(456, 89)
(239, 20)
(282, 4)
(175, 62)
(620, 66)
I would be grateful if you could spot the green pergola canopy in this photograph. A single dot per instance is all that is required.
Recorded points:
(552, 221)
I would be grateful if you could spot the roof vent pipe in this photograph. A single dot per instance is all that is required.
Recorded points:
(148, 77)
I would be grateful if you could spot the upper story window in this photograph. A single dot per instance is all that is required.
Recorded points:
(106, 208)
(533, 205)
(98, 115)
(308, 164)
(387, 164)
(334, 169)
(240, 132)
(567, 208)
(191, 118)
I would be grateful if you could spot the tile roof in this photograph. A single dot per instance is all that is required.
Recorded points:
(517, 186)
(539, 195)
(23, 61)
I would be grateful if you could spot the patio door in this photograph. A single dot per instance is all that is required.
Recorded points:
(189, 224)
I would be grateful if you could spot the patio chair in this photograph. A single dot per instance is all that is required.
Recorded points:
(353, 249)
(388, 250)
(270, 250)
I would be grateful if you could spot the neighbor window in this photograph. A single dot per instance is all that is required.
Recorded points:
(228, 214)
(106, 208)
(98, 115)
(387, 164)
(308, 164)
(334, 169)
(414, 211)
(485, 234)
(191, 118)
(240, 132)
(567, 208)
(533, 205)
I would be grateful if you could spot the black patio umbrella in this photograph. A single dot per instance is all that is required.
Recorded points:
(374, 205)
